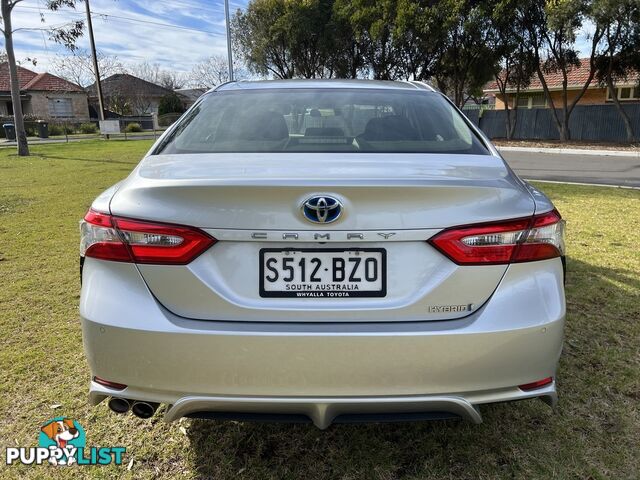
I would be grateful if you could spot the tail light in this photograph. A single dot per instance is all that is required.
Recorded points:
(523, 240)
(125, 240)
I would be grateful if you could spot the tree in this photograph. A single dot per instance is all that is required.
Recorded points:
(552, 28)
(374, 28)
(260, 36)
(308, 36)
(345, 58)
(517, 64)
(146, 71)
(151, 72)
(77, 67)
(620, 55)
(65, 35)
(466, 61)
(212, 72)
(297, 38)
(172, 80)
(170, 103)
(422, 33)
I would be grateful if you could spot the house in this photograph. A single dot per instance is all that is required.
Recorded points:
(533, 96)
(44, 95)
(190, 94)
(125, 94)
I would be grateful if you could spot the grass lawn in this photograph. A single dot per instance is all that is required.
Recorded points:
(594, 433)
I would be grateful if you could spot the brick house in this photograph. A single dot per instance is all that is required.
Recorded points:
(533, 96)
(126, 94)
(44, 95)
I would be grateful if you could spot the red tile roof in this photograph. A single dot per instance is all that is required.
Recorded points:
(576, 78)
(24, 76)
(29, 80)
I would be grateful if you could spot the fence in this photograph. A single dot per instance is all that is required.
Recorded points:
(591, 123)
(168, 119)
(55, 127)
(145, 122)
(61, 127)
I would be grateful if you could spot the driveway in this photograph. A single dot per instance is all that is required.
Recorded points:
(563, 167)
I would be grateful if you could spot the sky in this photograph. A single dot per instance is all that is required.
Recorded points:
(191, 31)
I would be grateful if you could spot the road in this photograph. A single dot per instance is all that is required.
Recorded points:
(563, 167)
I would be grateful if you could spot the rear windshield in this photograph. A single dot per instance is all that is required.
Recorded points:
(295, 120)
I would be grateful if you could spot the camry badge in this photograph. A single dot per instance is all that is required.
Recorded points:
(322, 209)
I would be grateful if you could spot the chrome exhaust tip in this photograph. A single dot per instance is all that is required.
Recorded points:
(144, 409)
(119, 405)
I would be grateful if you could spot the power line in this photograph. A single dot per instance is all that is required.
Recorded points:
(184, 5)
(137, 20)
(128, 19)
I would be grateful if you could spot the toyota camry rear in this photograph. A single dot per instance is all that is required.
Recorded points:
(324, 251)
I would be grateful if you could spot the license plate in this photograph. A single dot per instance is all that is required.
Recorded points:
(323, 272)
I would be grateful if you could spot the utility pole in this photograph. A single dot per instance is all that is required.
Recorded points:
(229, 54)
(94, 57)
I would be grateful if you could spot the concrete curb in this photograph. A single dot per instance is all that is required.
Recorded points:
(573, 151)
(584, 184)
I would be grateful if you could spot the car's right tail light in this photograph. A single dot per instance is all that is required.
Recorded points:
(522, 240)
(119, 239)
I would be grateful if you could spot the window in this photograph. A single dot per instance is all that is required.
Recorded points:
(538, 100)
(624, 93)
(61, 107)
(322, 120)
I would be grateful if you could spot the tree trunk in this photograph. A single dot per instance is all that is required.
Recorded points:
(508, 114)
(514, 112)
(552, 105)
(625, 118)
(18, 120)
(565, 134)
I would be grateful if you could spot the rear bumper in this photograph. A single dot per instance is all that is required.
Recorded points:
(323, 411)
(323, 371)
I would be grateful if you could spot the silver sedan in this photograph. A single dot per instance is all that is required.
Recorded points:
(323, 251)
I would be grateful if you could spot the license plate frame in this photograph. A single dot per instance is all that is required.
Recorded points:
(326, 294)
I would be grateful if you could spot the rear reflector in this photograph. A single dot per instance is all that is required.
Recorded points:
(108, 384)
(521, 240)
(535, 385)
(126, 240)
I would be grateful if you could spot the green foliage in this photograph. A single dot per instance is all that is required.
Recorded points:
(374, 29)
(88, 128)
(61, 129)
(619, 56)
(467, 60)
(297, 38)
(133, 127)
(620, 53)
(170, 103)
(389, 39)
(55, 130)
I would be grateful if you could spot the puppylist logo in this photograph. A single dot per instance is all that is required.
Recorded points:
(62, 441)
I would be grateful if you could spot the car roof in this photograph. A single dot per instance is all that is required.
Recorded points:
(323, 84)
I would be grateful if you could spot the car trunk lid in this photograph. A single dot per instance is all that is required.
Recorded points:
(392, 203)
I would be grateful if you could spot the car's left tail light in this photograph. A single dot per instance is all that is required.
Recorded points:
(118, 239)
